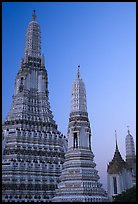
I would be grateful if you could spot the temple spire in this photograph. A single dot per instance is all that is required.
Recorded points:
(116, 140)
(31, 110)
(33, 39)
(33, 16)
(79, 178)
(78, 101)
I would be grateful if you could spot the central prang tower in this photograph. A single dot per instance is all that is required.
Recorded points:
(33, 149)
(79, 178)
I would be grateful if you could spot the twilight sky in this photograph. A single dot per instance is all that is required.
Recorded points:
(101, 38)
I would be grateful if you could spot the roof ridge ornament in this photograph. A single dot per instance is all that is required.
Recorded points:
(33, 16)
(116, 140)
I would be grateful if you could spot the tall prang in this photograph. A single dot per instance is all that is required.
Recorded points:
(79, 178)
(32, 148)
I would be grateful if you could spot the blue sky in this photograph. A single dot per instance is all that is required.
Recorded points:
(101, 38)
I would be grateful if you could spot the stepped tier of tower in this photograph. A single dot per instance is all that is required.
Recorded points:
(79, 179)
(30, 103)
(32, 163)
(32, 148)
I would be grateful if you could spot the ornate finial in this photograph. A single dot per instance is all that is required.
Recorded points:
(128, 129)
(33, 16)
(115, 133)
(116, 139)
(115, 136)
(78, 73)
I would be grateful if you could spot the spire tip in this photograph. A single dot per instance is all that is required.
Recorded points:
(34, 15)
(128, 129)
(78, 73)
(116, 139)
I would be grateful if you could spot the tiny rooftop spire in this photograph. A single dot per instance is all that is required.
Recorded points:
(78, 73)
(116, 139)
(33, 16)
(128, 129)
